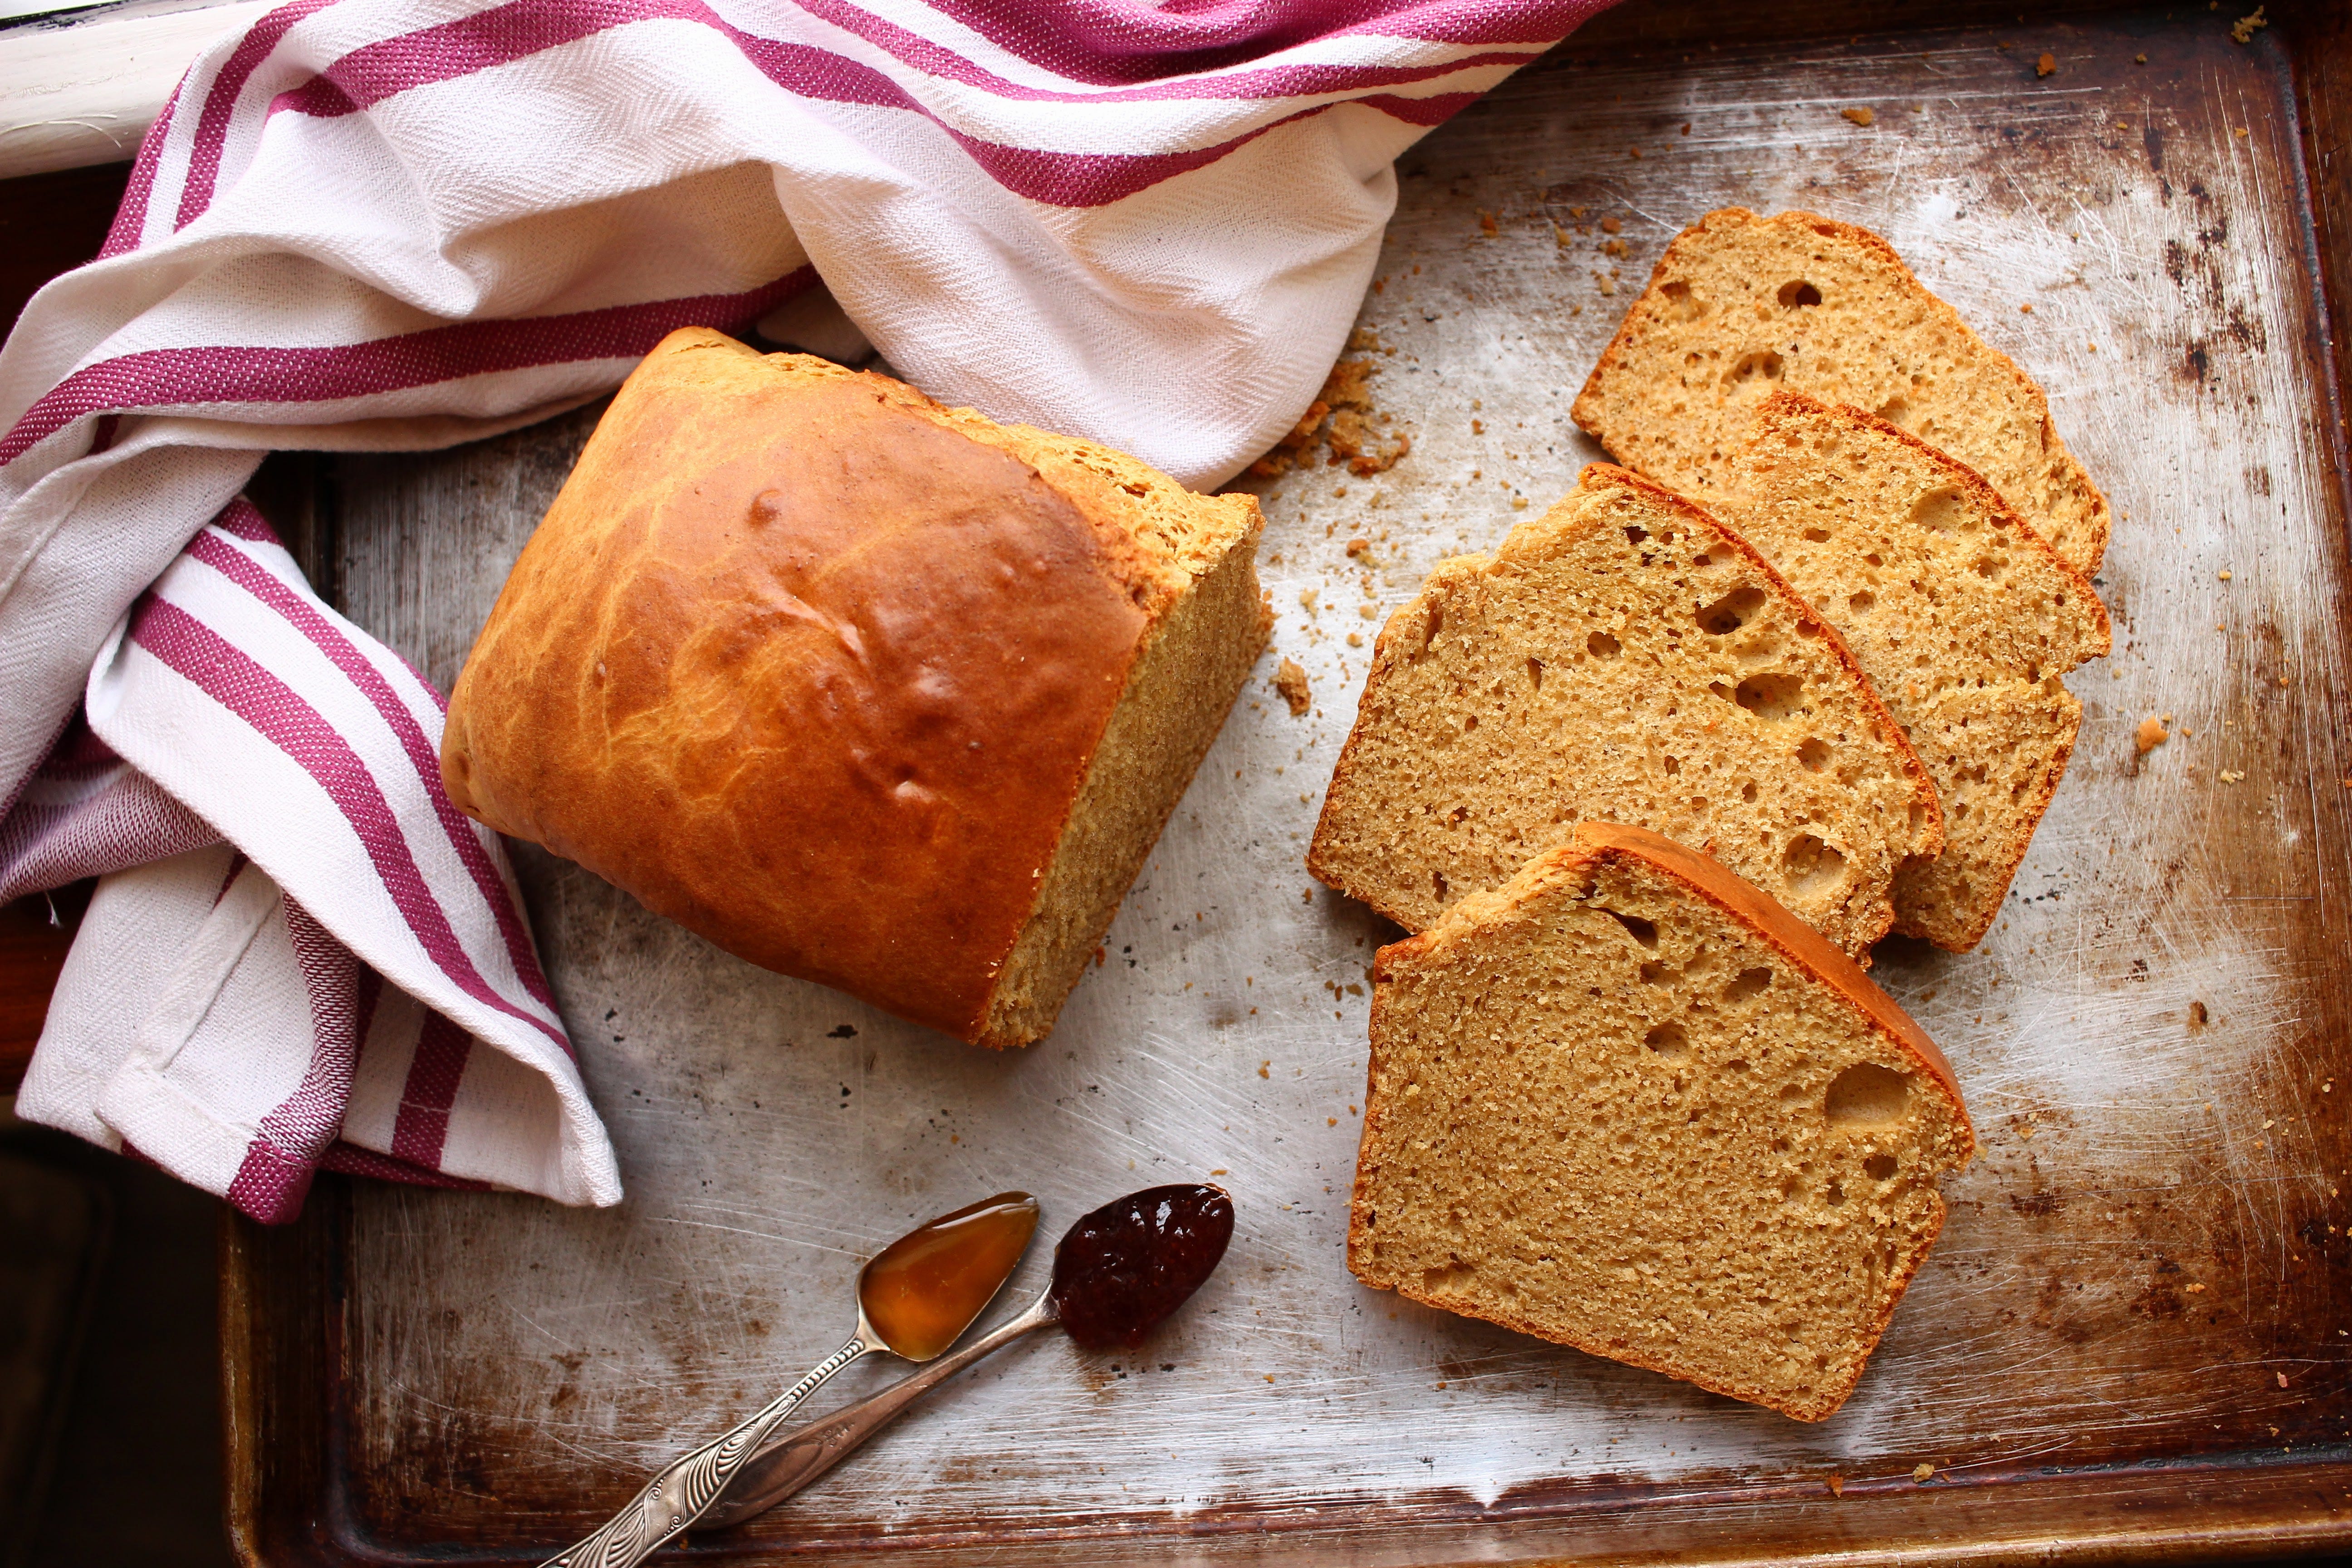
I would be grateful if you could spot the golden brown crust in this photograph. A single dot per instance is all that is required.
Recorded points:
(810, 668)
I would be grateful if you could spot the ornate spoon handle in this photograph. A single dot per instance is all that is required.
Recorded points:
(777, 1471)
(680, 1492)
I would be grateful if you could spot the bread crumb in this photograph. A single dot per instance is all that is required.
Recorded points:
(2045, 64)
(2198, 1014)
(1290, 682)
(1610, 226)
(1333, 1121)
(2151, 735)
(2139, 60)
(1102, 956)
(2230, 778)
(2283, 679)
(1921, 1472)
(2026, 310)
(1477, 426)
(1367, 611)
(1485, 222)
(1355, 639)
(1307, 597)
(1358, 545)
(1859, 116)
(2282, 1376)
(2225, 574)
(1837, 1485)
(2244, 32)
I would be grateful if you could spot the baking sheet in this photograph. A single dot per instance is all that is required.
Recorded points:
(2145, 1264)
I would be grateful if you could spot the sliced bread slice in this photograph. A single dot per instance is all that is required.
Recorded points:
(1742, 306)
(1963, 617)
(1625, 657)
(1628, 1103)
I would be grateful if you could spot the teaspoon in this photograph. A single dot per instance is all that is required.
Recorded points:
(914, 1299)
(1118, 1274)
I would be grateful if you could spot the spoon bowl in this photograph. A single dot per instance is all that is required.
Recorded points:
(1119, 1273)
(915, 1297)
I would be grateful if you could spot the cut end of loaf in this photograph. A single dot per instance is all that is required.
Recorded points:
(1624, 1103)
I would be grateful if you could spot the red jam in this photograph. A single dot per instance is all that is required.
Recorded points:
(1123, 1269)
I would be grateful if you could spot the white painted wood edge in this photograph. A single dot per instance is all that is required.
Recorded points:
(85, 92)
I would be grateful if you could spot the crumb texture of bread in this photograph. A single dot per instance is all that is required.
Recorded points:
(1965, 620)
(1625, 657)
(1626, 1103)
(1740, 307)
(860, 689)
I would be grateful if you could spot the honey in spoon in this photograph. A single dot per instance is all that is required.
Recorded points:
(923, 1290)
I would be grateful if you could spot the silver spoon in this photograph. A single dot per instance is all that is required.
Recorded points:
(1117, 1274)
(915, 1298)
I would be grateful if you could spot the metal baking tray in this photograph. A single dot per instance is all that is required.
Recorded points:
(2131, 1343)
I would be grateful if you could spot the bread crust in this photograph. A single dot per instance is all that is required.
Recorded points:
(1590, 409)
(818, 669)
(1586, 851)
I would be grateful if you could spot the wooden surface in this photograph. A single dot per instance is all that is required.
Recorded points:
(2131, 1342)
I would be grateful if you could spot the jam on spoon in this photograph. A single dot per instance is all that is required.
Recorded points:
(1120, 1270)
(1118, 1275)
(913, 1298)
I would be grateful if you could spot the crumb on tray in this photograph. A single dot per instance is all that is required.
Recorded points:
(1290, 682)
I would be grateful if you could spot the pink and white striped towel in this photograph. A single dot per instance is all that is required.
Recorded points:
(399, 223)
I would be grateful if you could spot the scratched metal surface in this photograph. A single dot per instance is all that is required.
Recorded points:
(2145, 1262)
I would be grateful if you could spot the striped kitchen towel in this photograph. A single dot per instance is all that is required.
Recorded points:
(400, 224)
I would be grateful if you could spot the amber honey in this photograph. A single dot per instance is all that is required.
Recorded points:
(927, 1287)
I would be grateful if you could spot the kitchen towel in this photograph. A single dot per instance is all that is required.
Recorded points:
(374, 225)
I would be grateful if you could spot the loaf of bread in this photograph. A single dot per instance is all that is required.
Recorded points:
(1964, 619)
(1627, 1102)
(863, 690)
(1742, 306)
(1626, 658)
